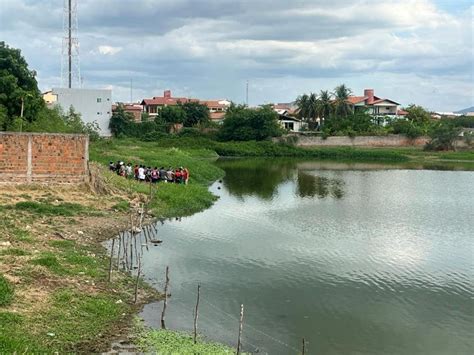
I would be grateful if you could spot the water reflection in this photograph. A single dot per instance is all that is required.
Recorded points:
(320, 186)
(261, 178)
(255, 177)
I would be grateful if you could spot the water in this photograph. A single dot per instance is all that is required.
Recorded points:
(354, 259)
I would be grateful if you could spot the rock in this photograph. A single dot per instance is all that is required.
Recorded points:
(118, 301)
(50, 334)
(80, 232)
(5, 244)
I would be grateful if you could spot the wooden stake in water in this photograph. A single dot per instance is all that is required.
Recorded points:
(304, 350)
(111, 258)
(119, 249)
(239, 342)
(166, 299)
(138, 277)
(196, 314)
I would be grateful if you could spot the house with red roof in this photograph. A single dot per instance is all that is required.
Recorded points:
(217, 108)
(378, 107)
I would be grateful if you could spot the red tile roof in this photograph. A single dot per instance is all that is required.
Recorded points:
(356, 99)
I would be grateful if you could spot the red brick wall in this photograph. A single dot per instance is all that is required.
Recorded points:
(43, 157)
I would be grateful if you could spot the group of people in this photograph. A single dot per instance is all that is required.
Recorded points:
(148, 174)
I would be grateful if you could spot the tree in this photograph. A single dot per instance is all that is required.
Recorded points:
(324, 106)
(119, 121)
(171, 115)
(342, 106)
(18, 88)
(307, 107)
(417, 114)
(196, 113)
(443, 135)
(242, 124)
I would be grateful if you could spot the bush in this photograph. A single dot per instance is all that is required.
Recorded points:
(407, 128)
(244, 124)
(443, 135)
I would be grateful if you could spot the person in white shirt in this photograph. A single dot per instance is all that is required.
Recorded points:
(141, 173)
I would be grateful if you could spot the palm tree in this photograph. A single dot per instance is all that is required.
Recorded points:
(302, 104)
(307, 106)
(325, 106)
(341, 104)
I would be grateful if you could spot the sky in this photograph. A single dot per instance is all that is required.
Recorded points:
(410, 51)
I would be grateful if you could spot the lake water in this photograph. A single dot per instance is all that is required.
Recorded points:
(357, 259)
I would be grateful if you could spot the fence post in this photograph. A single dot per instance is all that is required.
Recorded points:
(239, 342)
(166, 299)
(138, 277)
(111, 258)
(196, 315)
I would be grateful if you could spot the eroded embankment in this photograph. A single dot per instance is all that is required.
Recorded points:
(54, 269)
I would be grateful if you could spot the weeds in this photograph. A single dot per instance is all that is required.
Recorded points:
(6, 292)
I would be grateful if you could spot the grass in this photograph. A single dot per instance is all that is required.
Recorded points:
(49, 209)
(6, 292)
(14, 252)
(171, 342)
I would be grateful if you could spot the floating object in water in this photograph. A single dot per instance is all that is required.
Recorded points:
(218, 187)
(157, 241)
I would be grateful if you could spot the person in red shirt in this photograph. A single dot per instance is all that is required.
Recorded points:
(177, 176)
(136, 172)
(185, 174)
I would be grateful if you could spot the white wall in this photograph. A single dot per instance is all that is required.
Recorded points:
(92, 104)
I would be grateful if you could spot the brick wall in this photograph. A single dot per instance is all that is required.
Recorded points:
(43, 157)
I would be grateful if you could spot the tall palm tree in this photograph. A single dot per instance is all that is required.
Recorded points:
(302, 106)
(342, 107)
(325, 106)
(307, 106)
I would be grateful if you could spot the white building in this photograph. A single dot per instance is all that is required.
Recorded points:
(92, 104)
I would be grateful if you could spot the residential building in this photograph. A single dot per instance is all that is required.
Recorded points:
(134, 109)
(92, 104)
(217, 108)
(49, 98)
(375, 106)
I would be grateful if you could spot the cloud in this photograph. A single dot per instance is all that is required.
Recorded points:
(210, 48)
(109, 50)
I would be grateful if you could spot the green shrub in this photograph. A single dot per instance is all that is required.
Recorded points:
(443, 135)
(6, 292)
(408, 128)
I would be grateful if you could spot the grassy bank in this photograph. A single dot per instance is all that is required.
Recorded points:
(54, 293)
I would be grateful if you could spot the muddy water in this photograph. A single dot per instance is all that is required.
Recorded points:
(355, 259)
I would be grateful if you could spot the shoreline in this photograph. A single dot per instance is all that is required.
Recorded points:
(49, 264)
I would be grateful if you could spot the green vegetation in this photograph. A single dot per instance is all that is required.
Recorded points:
(49, 209)
(189, 114)
(244, 124)
(443, 135)
(22, 107)
(6, 292)
(20, 98)
(170, 342)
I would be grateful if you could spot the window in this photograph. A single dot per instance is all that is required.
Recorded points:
(99, 99)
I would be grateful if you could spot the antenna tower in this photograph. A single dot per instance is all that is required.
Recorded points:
(70, 70)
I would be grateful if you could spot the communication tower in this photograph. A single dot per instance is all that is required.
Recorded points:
(70, 69)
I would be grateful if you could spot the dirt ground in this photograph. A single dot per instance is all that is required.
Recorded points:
(28, 235)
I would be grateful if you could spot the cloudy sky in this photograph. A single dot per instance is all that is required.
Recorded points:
(411, 51)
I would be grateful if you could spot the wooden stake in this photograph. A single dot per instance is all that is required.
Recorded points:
(196, 314)
(239, 342)
(304, 350)
(138, 278)
(166, 299)
(119, 250)
(111, 258)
